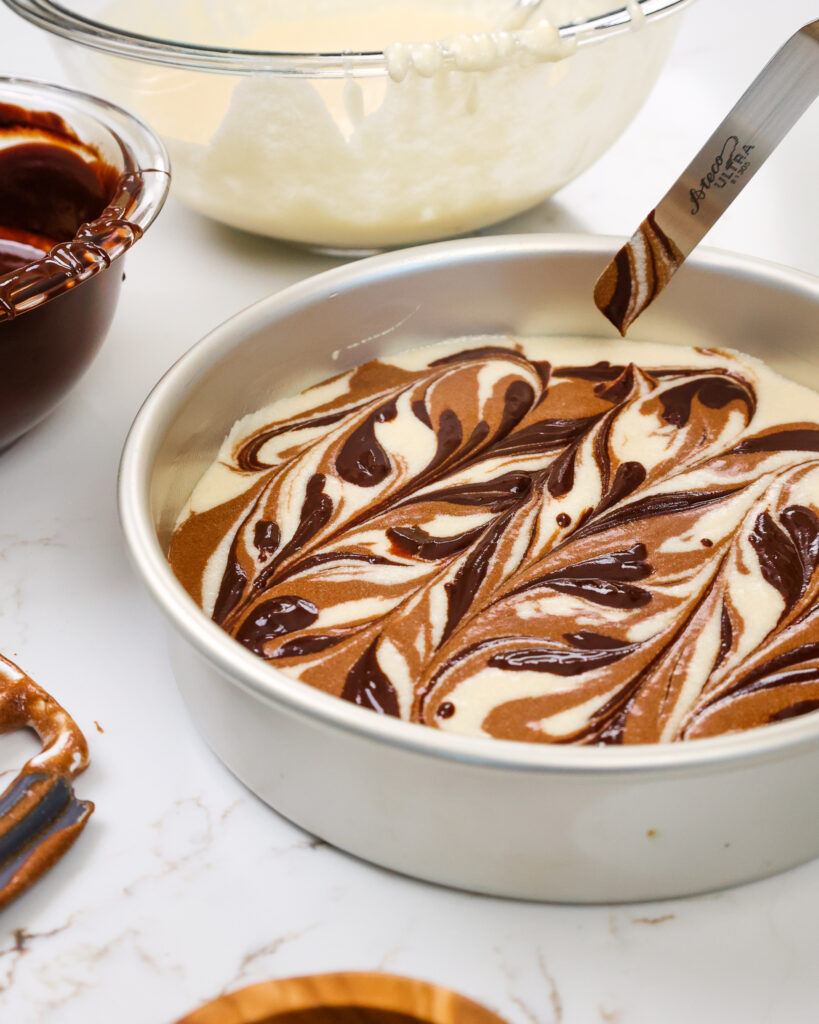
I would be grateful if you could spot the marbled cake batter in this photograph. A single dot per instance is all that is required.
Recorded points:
(550, 540)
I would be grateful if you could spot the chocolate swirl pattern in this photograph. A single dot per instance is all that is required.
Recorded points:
(549, 540)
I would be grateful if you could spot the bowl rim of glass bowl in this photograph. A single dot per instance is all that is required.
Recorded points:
(141, 193)
(59, 20)
(251, 673)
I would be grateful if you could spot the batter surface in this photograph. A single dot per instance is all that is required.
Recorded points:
(550, 540)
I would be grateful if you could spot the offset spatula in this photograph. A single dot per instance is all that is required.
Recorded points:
(776, 100)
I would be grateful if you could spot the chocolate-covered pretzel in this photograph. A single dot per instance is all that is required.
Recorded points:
(39, 815)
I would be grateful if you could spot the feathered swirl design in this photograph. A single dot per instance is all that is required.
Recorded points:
(550, 540)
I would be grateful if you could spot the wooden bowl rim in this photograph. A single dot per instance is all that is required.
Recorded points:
(369, 990)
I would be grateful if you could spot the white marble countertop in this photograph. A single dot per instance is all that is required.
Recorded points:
(185, 885)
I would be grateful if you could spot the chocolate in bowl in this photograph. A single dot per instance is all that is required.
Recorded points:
(80, 181)
(537, 821)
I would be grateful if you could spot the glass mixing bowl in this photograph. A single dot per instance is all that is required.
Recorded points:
(357, 151)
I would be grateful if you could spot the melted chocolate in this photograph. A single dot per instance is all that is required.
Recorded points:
(604, 580)
(272, 619)
(712, 392)
(558, 661)
(362, 460)
(787, 557)
(51, 190)
(19, 248)
(62, 207)
(413, 540)
(368, 686)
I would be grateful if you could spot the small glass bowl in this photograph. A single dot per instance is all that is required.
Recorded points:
(56, 311)
(329, 150)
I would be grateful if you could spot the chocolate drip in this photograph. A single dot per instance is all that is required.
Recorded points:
(801, 707)
(266, 536)
(560, 661)
(247, 456)
(546, 436)
(560, 478)
(462, 590)
(369, 687)
(604, 580)
(601, 371)
(655, 505)
(362, 460)
(804, 439)
(787, 557)
(629, 476)
(587, 640)
(726, 637)
(450, 436)
(274, 618)
(712, 391)
(619, 390)
(420, 411)
(781, 670)
(497, 495)
(802, 525)
(316, 511)
(518, 400)
(63, 218)
(232, 588)
(305, 645)
(412, 540)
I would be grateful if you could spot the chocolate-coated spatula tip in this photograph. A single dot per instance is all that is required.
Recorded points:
(637, 274)
(776, 99)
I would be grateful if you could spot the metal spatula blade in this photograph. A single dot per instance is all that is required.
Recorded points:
(766, 112)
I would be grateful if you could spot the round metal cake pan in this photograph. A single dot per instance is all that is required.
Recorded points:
(573, 824)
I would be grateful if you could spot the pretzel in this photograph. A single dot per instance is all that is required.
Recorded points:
(39, 815)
